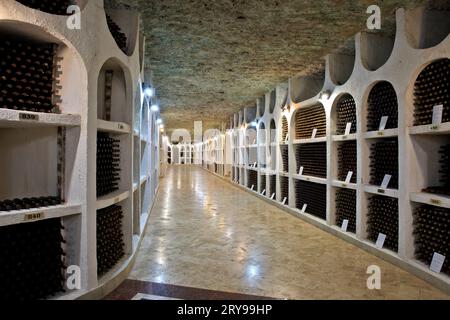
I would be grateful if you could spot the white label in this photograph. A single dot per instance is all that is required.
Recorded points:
(300, 172)
(314, 132)
(437, 262)
(304, 208)
(344, 225)
(437, 114)
(254, 141)
(263, 192)
(284, 200)
(273, 196)
(348, 127)
(286, 140)
(380, 240)
(383, 122)
(349, 177)
(252, 186)
(254, 165)
(386, 179)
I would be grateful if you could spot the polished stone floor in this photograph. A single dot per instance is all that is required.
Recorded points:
(205, 233)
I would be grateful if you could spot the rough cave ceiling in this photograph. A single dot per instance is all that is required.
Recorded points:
(211, 58)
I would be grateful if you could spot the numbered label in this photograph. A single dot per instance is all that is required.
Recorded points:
(253, 186)
(436, 202)
(273, 196)
(28, 116)
(300, 172)
(34, 216)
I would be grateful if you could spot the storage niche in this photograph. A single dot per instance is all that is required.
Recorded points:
(343, 113)
(313, 158)
(309, 119)
(346, 208)
(383, 218)
(432, 88)
(382, 102)
(58, 7)
(32, 259)
(112, 102)
(22, 149)
(431, 234)
(313, 195)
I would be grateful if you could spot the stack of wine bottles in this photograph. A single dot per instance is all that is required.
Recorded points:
(285, 157)
(346, 208)
(262, 183)
(58, 7)
(108, 164)
(346, 112)
(314, 195)
(432, 88)
(313, 158)
(347, 160)
(110, 243)
(384, 160)
(383, 218)
(444, 173)
(306, 120)
(432, 234)
(32, 260)
(382, 102)
(284, 187)
(118, 35)
(252, 180)
(27, 76)
(284, 129)
(29, 203)
(273, 185)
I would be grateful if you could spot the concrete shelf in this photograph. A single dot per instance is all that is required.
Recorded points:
(310, 178)
(37, 214)
(25, 119)
(437, 200)
(112, 198)
(388, 133)
(113, 127)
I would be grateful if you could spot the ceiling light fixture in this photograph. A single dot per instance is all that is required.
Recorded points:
(149, 92)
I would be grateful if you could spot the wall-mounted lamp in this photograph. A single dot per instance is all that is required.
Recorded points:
(325, 95)
(159, 121)
(253, 124)
(154, 108)
(149, 92)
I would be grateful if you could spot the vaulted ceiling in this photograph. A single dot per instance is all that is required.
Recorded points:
(211, 58)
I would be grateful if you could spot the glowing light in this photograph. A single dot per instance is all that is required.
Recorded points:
(159, 121)
(149, 92)
(154, 108)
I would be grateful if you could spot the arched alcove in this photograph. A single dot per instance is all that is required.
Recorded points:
(305, 87)
(431, 88)
(376, 48)
(381, 102)
(60, 9)
(284, 129)
(124, 26)
(262, 145)
(272, 100)
(426, 28)
(261, 106)
(112, 92)
(342, 113)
